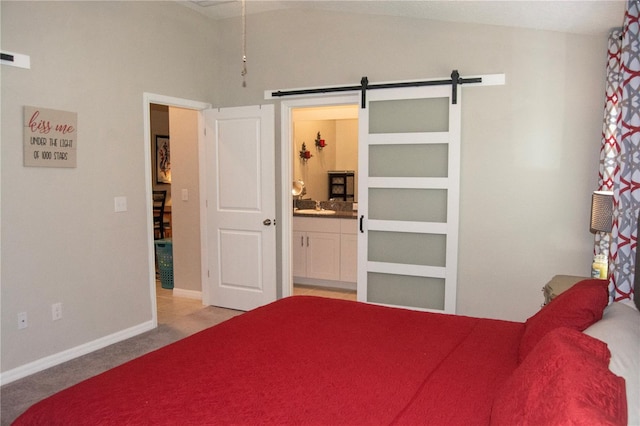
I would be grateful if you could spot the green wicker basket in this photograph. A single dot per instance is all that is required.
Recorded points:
(164, 255)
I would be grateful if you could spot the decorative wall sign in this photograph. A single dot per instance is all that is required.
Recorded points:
(50, 137)
(163, 159)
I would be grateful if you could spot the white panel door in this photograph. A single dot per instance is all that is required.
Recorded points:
(409, 179)
(240, 186)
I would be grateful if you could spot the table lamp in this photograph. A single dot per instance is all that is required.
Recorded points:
(601, 211)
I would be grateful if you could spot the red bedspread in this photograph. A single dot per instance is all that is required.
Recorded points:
(305, 360)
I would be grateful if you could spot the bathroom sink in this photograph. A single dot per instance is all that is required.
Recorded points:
(316, 212)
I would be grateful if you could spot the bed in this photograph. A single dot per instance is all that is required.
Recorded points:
(311, 360)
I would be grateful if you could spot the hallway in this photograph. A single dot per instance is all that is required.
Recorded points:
(171, 308)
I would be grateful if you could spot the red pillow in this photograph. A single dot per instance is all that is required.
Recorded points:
(564, 380)
(576, 308)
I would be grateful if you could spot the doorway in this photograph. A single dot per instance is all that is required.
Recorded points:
(182, 121)
(334, 121)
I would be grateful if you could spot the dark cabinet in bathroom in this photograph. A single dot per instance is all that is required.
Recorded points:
(341, 185)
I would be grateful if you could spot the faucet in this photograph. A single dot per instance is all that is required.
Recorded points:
(318, 205)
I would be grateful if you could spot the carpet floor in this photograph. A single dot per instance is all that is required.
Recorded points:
(17, 396)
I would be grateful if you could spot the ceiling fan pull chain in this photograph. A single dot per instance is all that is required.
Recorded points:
(244, 45)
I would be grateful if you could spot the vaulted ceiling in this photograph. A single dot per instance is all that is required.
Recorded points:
(571, 16)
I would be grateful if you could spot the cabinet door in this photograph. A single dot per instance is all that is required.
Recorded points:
(323, 256)
(349, 257)
(299, 253)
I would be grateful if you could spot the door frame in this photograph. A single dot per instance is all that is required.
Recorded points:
(286, 159)
(147, 100)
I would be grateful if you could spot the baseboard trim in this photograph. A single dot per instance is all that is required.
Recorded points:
(189, 294)
(69, 354)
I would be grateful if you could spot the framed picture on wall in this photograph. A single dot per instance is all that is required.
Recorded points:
(163, 159)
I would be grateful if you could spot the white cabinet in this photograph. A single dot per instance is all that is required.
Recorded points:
(323, 255)
(320, 250)
(299, 254)
(348, 251)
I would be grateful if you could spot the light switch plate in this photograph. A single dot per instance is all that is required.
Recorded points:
(185, 194)
(22, 320)
(120, 204)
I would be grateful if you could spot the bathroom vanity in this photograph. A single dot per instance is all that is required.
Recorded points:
(325, 251)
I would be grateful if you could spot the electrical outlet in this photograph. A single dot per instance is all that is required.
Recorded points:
(22, 320)
(56, 311)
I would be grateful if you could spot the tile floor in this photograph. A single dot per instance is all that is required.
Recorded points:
(334, 293)
(171, 307)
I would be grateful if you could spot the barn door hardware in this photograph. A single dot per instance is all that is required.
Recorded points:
(454, 81)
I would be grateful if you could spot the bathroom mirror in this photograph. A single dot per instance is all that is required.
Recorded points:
(338, 126)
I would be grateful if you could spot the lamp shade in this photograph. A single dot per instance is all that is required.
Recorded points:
(601, 211)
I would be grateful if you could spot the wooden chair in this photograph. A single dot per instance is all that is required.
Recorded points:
(159, 199)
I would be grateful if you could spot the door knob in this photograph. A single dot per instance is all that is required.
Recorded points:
(266, 222)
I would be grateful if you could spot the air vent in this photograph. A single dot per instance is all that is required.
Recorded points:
(15, 59)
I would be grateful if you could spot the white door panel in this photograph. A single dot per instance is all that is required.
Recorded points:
(239, 154)
(407, 250)
(241, 245)
(240, 206)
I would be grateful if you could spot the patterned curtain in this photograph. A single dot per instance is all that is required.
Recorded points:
(620, 152)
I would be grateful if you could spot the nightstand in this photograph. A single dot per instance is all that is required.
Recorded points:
(558, 284)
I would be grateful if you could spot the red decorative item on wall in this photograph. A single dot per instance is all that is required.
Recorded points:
(320, 143)
(304, 154)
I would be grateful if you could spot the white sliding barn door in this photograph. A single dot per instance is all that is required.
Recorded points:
(240, 182)
(409, 165)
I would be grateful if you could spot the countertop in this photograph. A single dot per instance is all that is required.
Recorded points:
(350, 214)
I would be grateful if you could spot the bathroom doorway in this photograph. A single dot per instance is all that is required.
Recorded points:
(329, 133)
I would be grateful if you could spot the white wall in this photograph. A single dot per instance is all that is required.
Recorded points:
(185, 213)
(313, 172)
(61, 240)
(529, 148)
(529, 156)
